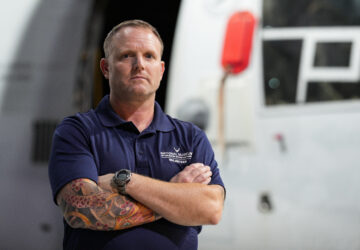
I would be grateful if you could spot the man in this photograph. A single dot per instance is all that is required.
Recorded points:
(166, 181)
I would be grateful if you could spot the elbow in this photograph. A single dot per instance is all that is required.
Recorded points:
(215, 220)
(75, 222)
(80, 224)
(216, 216)
(216, 208)
(214, 213)
(78, 220)
(73, 218)
(72, 223)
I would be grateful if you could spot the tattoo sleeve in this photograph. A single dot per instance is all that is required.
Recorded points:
(86, 205)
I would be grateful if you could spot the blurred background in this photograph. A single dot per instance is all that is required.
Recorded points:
(275, 84)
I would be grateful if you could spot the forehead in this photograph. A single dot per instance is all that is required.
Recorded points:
(136, 37)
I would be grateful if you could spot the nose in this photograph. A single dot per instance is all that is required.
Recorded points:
(138, 63)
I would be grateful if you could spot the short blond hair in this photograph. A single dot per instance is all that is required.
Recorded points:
(129, 23)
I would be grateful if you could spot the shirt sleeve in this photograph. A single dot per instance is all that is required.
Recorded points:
(204, 153)
(71, 157)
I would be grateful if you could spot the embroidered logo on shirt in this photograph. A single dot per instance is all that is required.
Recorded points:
(176, 156)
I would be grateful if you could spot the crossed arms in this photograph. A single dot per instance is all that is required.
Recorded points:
(185, 200)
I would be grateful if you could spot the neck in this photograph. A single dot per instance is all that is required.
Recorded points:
(140, 113)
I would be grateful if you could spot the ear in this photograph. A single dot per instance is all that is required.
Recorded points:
(104, 66)
(162, 69)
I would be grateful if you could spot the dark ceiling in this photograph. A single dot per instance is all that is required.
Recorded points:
(161, 14)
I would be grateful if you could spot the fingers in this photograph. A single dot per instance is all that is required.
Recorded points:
(207, 181)
(203, 176)
(200, 173)
(194, 173)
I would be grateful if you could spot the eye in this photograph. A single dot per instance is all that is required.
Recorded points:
(149, 56)
(124, 56)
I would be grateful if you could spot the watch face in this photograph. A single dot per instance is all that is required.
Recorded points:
(123, 176)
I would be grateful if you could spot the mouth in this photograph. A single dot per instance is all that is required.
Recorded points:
(138, 77)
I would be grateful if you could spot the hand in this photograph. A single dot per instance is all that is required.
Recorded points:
(194, 173)
(104, 182)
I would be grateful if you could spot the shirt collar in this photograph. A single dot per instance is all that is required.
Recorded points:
(161, 121)
(109, 118)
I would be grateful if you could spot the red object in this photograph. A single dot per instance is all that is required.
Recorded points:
(238, 42)
(279, 137)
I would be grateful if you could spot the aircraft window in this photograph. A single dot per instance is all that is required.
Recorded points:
(332, 54)
(285, 13)
(281, 66)
(329, 91)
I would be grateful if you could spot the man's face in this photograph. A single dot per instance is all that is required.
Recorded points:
(134, 67)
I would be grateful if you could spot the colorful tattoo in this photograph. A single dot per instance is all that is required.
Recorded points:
(85, 205)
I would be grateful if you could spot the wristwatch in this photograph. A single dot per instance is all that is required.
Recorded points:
(120, 179)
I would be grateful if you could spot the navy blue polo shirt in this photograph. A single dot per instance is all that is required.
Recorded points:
(99, 142)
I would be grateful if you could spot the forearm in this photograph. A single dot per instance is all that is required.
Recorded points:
(86, 205)
(181, 203)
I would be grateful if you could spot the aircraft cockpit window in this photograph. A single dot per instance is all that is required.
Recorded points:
(304, 13)
(332, 54)
(332, 91)
(311, 51)
(281, 65)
